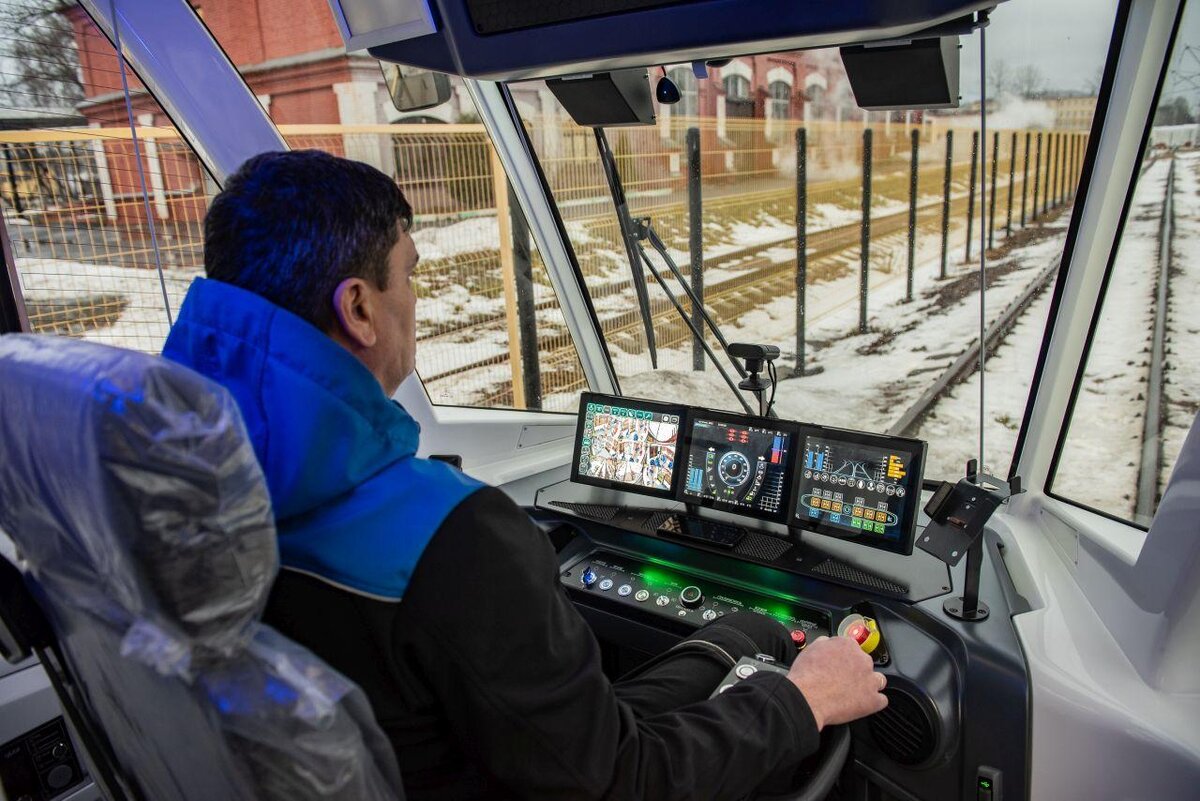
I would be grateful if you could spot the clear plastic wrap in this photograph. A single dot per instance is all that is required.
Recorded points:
(143, 524)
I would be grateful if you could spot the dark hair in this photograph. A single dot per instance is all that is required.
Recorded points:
(291, 226)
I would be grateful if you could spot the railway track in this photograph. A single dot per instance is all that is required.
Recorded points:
(1151, 457)
(759, 282)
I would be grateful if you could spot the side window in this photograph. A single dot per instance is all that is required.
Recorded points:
(105, 231)
(490, 330)
(1139, 387)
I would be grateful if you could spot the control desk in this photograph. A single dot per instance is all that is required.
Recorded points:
(646, 565)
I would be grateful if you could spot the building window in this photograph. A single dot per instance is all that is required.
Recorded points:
(781, 100)
(738, 102)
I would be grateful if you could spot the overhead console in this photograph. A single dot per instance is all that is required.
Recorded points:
(505, 40)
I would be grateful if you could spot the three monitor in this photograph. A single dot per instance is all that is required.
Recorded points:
(847, 484)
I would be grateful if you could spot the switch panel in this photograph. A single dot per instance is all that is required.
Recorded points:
(668, 593)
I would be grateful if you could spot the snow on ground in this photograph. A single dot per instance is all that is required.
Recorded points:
(1099, 462)
(1183, 324)
(143, 323)
(869, 380)
(467, 236)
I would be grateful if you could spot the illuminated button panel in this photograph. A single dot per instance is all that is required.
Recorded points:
(669, 593)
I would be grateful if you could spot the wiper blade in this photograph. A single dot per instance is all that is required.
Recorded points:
(633, 233)
(629, 237)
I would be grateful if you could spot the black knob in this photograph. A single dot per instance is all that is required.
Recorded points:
(691, 597)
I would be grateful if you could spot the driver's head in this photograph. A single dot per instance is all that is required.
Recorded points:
(326, 239)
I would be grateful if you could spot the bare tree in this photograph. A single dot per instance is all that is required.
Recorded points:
(42, 64)
(1000, 77)
(1028, 81)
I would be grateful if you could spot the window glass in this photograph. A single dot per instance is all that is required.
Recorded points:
(863, 360)
(83, 205)
(490, 329)
(1140, 387)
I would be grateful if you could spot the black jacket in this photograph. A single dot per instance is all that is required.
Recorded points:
(488, 681)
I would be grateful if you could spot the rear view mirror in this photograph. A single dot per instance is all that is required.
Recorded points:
(413, 88)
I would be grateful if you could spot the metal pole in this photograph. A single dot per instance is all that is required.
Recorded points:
(801, 247)
(1037, 173)
(531, 371)
(865, 238)
(1012, 174)
(1056, 196)
(12, 180)
(992, 190)
(1049, 184)
(946, 201)
(508, 279)
(912, 212)
(696, 242)
(1025, 178)
(971, 194)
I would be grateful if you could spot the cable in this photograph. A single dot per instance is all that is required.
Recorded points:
(774, 375)
(137, 154)
(982, 232)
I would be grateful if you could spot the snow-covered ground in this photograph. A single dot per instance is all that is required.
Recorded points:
(869, 380)
(143, 323)
(1183, 324)
(1099, 462)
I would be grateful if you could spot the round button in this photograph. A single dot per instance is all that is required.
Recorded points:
(662, 600)
(709, 614)
(59, 750)
(799, 638)
(641, 595)
(59, 776)
(723, 688)
(624, 590)
(745, 671)
(588, 577)
(683, 613)
(691, 597)
(606, 584)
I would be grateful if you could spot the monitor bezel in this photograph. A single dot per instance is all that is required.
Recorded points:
(611, 400)
(717, 415)
(917, 447)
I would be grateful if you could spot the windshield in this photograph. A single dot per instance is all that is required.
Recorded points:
(848, 239)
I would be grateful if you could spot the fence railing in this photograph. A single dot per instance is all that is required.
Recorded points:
(491, 330)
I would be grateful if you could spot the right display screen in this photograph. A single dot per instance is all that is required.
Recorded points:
(858, 486)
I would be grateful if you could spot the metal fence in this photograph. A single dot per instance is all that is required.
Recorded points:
(491, 331)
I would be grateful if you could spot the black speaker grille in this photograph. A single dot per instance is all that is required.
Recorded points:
(595, 511)
(498, 16)
(844, 572)
(766, 549)
(904, 730)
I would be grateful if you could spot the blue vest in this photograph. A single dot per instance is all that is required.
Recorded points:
(354, 506)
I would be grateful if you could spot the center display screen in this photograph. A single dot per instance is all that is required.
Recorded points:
(859, 486)
(739, 464)
(626, 443)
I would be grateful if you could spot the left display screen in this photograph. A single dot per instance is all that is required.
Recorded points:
(629, 444)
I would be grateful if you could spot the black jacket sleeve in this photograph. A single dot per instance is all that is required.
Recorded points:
(517, 672)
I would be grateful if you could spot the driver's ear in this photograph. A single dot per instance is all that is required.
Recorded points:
(352, 307)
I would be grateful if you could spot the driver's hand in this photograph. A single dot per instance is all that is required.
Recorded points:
(838, 680)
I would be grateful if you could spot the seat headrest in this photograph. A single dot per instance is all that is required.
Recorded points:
(131, 491)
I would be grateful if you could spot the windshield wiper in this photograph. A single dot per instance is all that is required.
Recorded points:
(634, 232)
(629, 237)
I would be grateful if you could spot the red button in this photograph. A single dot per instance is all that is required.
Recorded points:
(859, 633)
(799, 638)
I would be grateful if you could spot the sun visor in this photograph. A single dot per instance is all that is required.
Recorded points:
(606, 98)
(534, 39)
(921, 73)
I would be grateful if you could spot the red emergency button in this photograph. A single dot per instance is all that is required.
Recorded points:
(799, 638)
(858, 632)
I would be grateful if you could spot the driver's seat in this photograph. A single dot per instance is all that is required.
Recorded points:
(144, 531)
